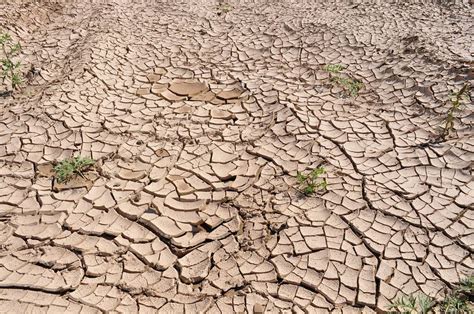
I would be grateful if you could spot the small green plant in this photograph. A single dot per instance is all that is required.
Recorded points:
(410, 304)
(458, 301)
(310, 183)
(466, 285)
(333, 68)
(454, 304)
(350, 85)
(68, 168)
(425, 303)
(10, 69)
(457, 99)
(224, 8)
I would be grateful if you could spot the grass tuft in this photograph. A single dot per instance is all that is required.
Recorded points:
(457, 302)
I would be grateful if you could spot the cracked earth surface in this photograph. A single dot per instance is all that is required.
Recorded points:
(199, 122)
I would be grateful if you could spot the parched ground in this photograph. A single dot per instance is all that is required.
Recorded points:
(199, 116)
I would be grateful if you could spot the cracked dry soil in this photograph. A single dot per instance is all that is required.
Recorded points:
(199, 120)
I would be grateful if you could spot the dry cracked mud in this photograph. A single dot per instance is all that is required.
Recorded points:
(199, 116)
